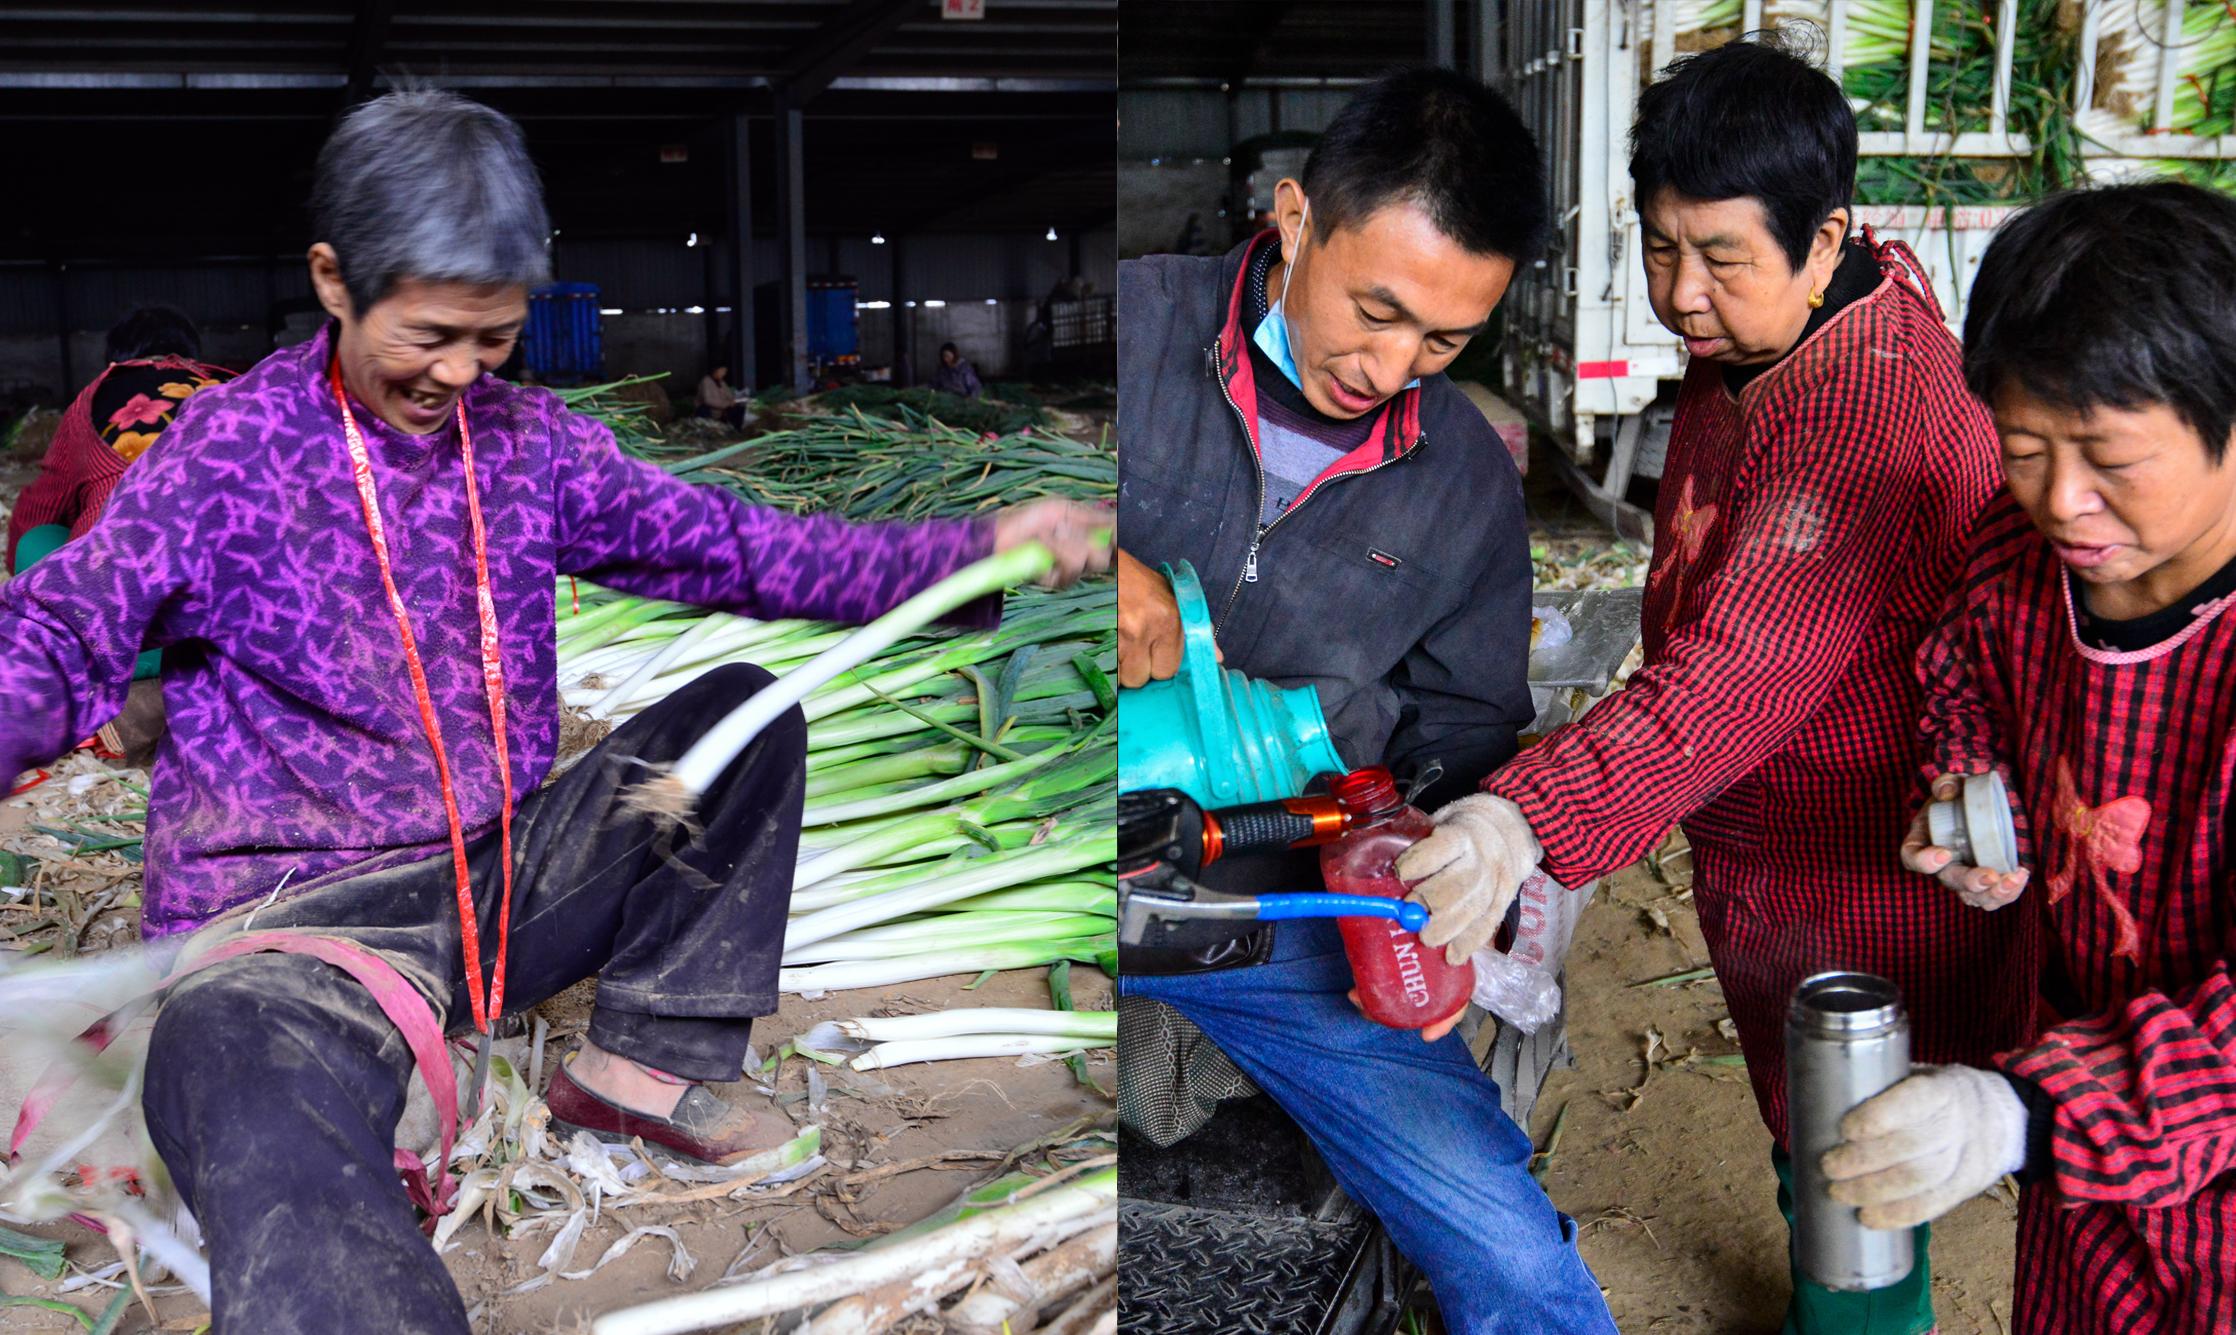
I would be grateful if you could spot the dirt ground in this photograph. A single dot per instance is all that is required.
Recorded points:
(1667, 1171)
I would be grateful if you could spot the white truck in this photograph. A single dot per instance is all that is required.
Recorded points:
(1584, 355)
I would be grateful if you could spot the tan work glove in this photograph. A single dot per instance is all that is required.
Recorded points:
(1468, 871)
(1927, 1145)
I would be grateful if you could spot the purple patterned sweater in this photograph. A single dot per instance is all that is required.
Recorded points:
(295, 749)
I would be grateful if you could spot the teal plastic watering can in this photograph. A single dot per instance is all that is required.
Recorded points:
(1213, 733)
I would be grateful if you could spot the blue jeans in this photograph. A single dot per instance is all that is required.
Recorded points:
(1412, 1130)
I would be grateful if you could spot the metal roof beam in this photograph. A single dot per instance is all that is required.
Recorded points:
(108, 80)
(840, 44)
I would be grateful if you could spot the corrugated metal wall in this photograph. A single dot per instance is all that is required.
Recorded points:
(214, 292)
(631, 274)
(647, 275)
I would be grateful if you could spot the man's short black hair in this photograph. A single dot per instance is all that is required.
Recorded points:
(1749, 120)
(1444, 142)
(154, 331)
(2123, 296)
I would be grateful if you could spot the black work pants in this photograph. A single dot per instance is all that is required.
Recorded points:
(274, 1082)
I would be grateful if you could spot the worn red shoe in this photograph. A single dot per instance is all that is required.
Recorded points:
(702, 1127)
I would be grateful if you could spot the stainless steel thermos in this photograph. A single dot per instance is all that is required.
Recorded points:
(1847, 1038)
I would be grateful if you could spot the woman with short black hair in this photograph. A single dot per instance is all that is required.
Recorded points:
(2087, 656)
(1823, 473)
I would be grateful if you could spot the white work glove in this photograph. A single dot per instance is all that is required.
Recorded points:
(1920, 1149)
(1980, 887)
(1468, 871)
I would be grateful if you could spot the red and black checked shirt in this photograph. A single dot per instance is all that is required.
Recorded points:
(2122, 765)
(1807, 535)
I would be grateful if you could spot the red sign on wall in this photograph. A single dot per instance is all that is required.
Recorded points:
(962, 9)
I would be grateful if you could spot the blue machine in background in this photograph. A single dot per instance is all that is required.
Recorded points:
(563, 343)
(834, 330)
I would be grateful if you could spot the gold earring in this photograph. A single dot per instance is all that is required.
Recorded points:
(1816, 301)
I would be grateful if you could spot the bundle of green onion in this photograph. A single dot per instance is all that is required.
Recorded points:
(1697, 16)
(961, 786)
(1960, 85)
(2204, 86)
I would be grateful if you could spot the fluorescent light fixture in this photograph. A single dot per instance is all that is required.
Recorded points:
(992, 301)
(609, 310)
(875, 305)
(877, 238)
(694, 310)
(934, 305)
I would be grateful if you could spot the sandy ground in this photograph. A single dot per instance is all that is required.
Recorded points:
(1667, 1171)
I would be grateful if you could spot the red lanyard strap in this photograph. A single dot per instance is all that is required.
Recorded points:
(493, 678)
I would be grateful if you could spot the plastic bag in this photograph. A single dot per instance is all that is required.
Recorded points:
(1522, 985)
(1552, 628)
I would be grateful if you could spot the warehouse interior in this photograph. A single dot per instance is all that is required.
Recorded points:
(956, 172)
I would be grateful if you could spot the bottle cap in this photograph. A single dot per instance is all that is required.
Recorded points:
(1976, 825)
(1364, 792)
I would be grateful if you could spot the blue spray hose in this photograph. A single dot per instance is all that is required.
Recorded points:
(1411, 916)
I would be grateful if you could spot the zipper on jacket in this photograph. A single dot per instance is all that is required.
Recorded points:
(1249, 573)
(1258, 537)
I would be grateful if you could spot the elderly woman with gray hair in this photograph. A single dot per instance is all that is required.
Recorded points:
(352, 550)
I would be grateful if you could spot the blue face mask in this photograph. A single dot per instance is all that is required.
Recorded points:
(1272, 333)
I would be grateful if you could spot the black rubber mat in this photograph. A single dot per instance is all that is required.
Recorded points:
(1191, 1270)
(1240, 1227)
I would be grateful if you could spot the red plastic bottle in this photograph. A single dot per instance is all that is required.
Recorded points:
(1402, 983)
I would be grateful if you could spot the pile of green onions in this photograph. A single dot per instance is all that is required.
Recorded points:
(870, 468)
(961, 786)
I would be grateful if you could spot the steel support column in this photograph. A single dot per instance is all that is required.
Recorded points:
(904, 317)
(1444, 33)
(791, 239)
(737, 217)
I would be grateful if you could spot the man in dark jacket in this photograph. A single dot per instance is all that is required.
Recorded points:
(1284, 426)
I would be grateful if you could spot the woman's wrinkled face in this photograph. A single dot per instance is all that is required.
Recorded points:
(2128, 497)
(1719, 280)
(415, 351)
